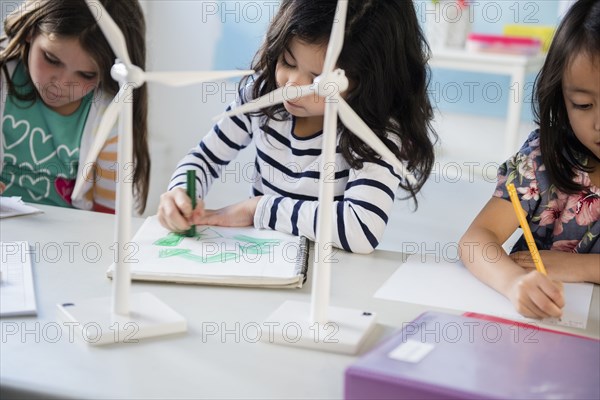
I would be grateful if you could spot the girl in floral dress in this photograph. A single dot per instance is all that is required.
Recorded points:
(557, 176)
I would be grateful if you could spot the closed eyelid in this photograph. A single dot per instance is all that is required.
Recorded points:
(51, 56)
(581, 106)
(55, 60)
(287, 51)
(88, 75)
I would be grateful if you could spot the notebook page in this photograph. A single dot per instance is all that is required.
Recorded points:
(17, 293)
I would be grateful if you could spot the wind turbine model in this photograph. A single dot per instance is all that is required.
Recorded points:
(141, 314)
(345, 328)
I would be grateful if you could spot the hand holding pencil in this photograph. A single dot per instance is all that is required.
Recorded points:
(180, 210)
(191, 192)
(534, 294)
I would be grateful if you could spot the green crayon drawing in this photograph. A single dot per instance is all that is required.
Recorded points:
(165, 253)
(174, 239)
(171, 240)
(256, 241)
(208, 233)
(254, 246)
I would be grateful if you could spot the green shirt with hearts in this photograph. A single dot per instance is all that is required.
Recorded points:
(41, 147)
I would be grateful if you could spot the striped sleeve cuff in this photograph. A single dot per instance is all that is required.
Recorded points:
(262, 213)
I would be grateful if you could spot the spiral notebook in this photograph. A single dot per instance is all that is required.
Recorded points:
(217, 256)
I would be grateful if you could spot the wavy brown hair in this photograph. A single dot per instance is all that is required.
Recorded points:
(385, 59)
(72, 18)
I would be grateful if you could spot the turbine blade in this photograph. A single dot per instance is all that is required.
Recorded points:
(190, 77)
(277, 96)
(106, 124)
(353, 122)
(336, 39)
(111, 31)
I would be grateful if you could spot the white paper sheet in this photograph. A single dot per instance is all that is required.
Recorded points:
(423, 279)
(14, 207)
(17, 293)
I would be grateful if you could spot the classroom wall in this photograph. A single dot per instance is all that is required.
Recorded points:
(199, 35)
(210, 35)
(225, 34)
(486, 94)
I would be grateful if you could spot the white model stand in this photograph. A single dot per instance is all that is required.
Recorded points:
(314, 321)
(122, 317)
(142, 315)
(93, 322)
(345, 332)
(321, 326)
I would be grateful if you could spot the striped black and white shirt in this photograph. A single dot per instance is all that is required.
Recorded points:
(286, 175)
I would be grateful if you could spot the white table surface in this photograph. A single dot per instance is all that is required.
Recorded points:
(36, 361)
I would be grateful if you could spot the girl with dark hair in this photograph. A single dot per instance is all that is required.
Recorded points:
(55, 86)
(557, 175)
(385, 59)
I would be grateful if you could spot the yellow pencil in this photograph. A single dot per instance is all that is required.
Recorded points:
(535, 254)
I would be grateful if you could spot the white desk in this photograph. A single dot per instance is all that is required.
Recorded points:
(517, 66)
(193, 365)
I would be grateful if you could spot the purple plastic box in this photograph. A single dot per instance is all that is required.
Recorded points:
(451, 356)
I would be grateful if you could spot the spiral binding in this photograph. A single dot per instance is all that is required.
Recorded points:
(302, 260)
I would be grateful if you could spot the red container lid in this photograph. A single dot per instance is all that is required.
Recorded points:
(503, 39)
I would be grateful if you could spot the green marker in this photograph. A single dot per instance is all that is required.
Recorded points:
(191, 191)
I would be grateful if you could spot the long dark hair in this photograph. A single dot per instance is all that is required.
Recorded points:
(579, 32)
(72, 18)
(385, 58)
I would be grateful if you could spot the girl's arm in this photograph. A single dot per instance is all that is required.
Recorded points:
(359, 216)
(532, 294)
(564, 266)
(105, 179)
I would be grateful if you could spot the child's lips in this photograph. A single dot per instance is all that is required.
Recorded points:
(52, 95)
(293, 105)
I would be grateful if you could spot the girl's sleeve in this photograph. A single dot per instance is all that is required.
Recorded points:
(359, 218)
(523, 170)
(105, 175)
(216, 150)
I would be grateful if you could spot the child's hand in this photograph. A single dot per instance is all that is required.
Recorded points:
(536, 296)
(175, 210)
(2, 187)
(240, 214)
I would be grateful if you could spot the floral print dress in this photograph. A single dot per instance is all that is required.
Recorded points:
(558, 221)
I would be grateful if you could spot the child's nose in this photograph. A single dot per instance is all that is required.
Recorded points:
(64, 78)
(298, 79)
